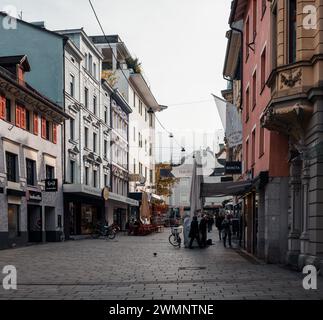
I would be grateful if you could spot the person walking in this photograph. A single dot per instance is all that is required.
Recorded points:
(218, 223)
(210, 222)
(226, 226)
(186, 227)
(194, 233)
(203, 230)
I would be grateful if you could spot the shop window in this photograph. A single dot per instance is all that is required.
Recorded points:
(31, 172)
(50, 172)
(13, 221)
(12, 166)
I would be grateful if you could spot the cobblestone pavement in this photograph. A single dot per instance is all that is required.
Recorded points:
(126, 268)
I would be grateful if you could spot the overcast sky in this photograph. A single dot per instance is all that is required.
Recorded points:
(181, 44)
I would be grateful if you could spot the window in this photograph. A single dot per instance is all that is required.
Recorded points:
(254, 17)
(254, 90)
(72, 129)
(146, 115)
(31, 172)
(94, 70)
(247, 102)
(151, 178)
(247, 156)
(90, 63)
(274, 37)
(263, 69)
(106, 149)
(28, 120)
(151, 121)
(85, 61)
(134, 166)
(12, 166)
(94, 142)
(50, 172)
(20, 116)
(253, 146)
(140, 107)
(95, 178)
(140, 168)
(261, 140)
(72, 171)
(8, 110)
(13, 221)
(106, 181)
(47, 130)
(146, 171)
(86, 97)
(44, 128)
(247, 32)
(150, 149)
(72, 85)
(105, 115)
(94, 105)
(292, 14)
(86, 137)
(86, 175)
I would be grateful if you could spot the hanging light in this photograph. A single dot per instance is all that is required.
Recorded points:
(171, 135)
(183, 149)
(150, 110)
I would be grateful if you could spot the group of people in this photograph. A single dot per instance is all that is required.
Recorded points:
(198, 229)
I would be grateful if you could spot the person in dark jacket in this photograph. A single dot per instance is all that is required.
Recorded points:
(210, 222)
(218, 223)
(203, 230)
(226, 226)
(194, 232)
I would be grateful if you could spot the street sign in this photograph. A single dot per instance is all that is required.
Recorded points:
(51, 185)
(233, 167)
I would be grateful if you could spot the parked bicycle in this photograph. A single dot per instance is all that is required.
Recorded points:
(175, 239)
(105, 231)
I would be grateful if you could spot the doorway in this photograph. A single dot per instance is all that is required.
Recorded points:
(35, 223)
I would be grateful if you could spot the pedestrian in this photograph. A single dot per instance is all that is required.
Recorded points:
(218, 223)
(226, 226)
(210, 222)
(186, 227)
(194, 232)
(203, 230)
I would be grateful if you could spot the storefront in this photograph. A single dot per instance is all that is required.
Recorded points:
(83, 209)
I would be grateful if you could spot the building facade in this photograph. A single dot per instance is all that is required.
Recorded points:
(31, 197)
(264, 152)
(120, 69)
(295, 110)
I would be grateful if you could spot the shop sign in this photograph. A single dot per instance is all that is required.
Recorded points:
(51, 185)
(234, 167)
(33, 195)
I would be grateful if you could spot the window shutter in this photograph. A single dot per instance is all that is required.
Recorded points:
(18, 117)
(43, 128)
(2, 107)
(23, 118)
(54, 133)
(36, 124)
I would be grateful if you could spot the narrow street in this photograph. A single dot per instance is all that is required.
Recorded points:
(126, 268)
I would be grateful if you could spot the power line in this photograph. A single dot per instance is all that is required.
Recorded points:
(116, 58)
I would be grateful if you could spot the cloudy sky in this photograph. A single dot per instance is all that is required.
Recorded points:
(181, 44)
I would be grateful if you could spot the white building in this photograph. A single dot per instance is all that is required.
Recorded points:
(133, 87)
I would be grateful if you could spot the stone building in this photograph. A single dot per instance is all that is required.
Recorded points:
(31, 197)
(295, 110)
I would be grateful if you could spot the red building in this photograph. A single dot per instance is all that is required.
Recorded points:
(264, 152)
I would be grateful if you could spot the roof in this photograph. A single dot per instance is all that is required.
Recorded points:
(14, 60)
(32, 25)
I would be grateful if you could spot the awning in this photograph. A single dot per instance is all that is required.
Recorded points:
(225, 188)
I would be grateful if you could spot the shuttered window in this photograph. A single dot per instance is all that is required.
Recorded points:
(2, 107)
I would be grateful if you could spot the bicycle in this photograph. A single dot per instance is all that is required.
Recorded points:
(105, 231)
(175, 239)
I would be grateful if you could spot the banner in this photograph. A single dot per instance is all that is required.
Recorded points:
(231, 121)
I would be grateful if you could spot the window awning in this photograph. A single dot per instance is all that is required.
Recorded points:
(225, 188)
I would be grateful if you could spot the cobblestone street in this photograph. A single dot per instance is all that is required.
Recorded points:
(126, 268)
